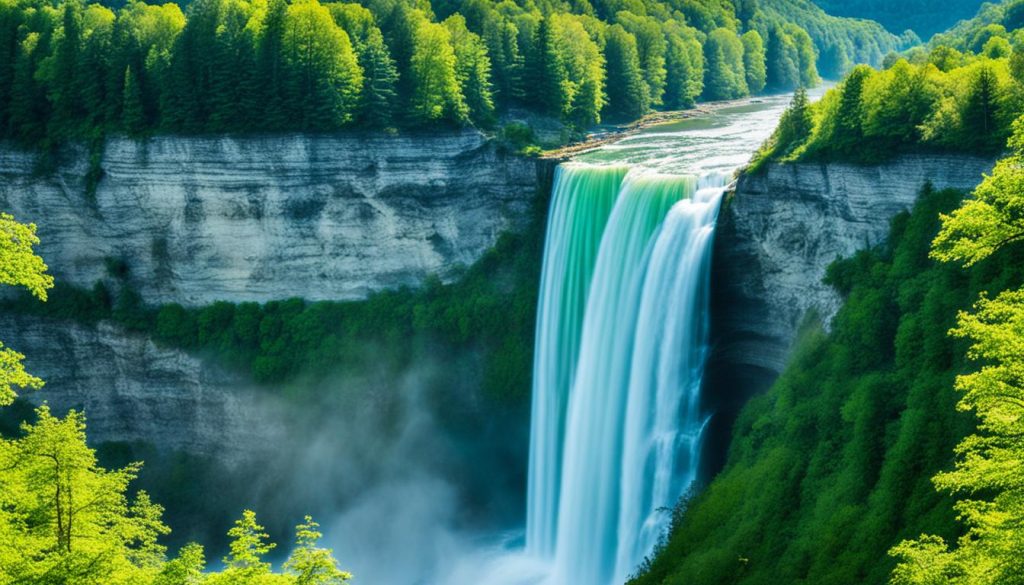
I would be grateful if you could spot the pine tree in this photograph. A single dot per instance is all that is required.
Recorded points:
(978, 117)
(133, 117)
(473, 71)
(627, 91)
(380, 77)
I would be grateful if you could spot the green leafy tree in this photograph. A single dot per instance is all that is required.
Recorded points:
(980, 112)
(436, 95)
(19, 266)
(987, 475)
(651, 49)
(311, 564)
(186, 569)
(74, 521)
(684, 61)
(472, 70)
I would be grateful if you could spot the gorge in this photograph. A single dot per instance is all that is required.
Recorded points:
(777, 233)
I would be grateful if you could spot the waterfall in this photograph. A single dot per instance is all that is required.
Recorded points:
(581, 202)
(621, 340)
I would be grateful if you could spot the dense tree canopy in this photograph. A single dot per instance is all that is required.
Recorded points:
(73, 70)
(942, 100)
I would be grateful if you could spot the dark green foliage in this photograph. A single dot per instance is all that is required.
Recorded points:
(628, 96)
(848, 130)
(833, 466)
(981, 110)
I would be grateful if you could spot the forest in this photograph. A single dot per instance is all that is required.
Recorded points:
(74, 71)
(889, 450)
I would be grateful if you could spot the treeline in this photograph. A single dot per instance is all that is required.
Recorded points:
(71, 70)
(944, 100)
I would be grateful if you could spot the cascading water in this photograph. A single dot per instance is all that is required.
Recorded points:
(575, 226)
(625, 371)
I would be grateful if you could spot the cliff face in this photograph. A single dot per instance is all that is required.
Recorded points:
(776, 235)
(133, 390)
(255, 219)
(779, 231)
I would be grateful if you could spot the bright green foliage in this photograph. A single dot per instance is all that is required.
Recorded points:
(754, 61)
(67, 520)
(249, 545)
(628, 96)
(794, 128)
(831, 467)
(992, 218)
(436, 92)
(186, 569)
(380, 75)
(684, 61)
(948, 102)
(70, 70)
(897, 102)
(651, 47)
(19, 266)
(724, 77)
(988, 467)
(473, 70)
(324, 77)
(311, 564)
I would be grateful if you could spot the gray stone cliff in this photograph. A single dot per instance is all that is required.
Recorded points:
(133, 390)
(256, 219)
(781, 228)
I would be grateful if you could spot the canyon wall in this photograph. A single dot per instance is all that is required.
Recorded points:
(195, 220)
(777, 233)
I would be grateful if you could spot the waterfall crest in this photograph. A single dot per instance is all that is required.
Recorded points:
(621, 340)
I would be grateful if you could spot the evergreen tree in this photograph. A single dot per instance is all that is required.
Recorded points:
(472, 70)
(754, 61)
(979, 125)
(547, 75)
(271, 68)
(380, 78)
(724, 77)
(684, 61)
(848, 130)
(782, 61)
(436, 95)
(627, 91)
(795, 125)
(324, 78)
(133, 117)
(65, 69)
(651, 48)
